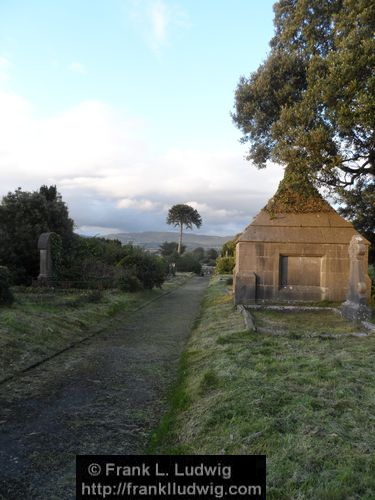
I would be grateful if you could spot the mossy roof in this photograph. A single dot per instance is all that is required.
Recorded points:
(296, 194)
(297, 213)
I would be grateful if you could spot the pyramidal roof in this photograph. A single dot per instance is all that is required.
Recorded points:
(297, 213)
(297, 194)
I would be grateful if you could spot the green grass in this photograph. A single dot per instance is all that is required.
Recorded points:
(41, 322)
(305, 400)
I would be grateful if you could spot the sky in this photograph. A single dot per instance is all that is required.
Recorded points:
(125, 106)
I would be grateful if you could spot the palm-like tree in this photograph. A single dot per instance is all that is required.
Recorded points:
(183, 215)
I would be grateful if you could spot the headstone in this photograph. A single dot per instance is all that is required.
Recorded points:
(44, 247)
(355, 307)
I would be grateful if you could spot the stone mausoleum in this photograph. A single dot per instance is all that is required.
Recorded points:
(296, 249)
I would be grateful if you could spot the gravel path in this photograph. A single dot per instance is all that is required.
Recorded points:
(104, 397)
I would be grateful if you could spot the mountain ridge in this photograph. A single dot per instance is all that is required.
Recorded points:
(151, 240)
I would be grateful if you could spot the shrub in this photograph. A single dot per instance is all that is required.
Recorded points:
(130, 282)
(99, 274)
(188, 264)
(169, 249)
(150, 270)
(225, 265)
(99, 263)
(6, 296)
(93, 259)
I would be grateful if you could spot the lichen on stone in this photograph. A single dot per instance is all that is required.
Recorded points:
(296, 194)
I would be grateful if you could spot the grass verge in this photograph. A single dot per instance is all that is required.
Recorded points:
(305, 401)
(44, 322)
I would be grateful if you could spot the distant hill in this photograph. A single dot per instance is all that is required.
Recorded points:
(151, 240)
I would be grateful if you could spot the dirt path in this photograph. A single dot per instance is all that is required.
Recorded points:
(102, 397)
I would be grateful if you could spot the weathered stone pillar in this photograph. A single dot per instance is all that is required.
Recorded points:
(355, 307)
(44, 247)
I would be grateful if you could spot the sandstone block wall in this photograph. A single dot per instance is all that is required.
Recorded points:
(294, 258)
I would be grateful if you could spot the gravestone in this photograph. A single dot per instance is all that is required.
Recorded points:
(45, 266)
(355, 308)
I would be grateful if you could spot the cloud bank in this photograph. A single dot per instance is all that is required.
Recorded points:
(112, 181)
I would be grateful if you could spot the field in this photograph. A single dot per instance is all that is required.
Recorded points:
(43, 322)
(300, 390)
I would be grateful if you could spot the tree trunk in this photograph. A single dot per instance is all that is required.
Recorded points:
(180, 241)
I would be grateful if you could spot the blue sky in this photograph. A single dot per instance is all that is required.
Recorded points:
(125, 106)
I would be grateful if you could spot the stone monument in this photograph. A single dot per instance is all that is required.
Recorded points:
(46, 267)
(296, 249)
(355, 308)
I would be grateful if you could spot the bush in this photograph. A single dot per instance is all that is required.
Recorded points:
(150, 270)
(56, 254)
(225, 265)
(6, 296)
(101, 263)
(188, 264)
(129, 282)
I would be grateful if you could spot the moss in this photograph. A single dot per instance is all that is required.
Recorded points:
(296, 194)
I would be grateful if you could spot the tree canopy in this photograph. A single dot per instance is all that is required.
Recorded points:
(23, 217)
(311, 104)
(169, 248)
(181, 216)
(82, 262)
(358, 205)
(229, 248)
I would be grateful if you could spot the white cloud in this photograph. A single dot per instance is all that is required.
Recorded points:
(102, 165)
(156, 19)
(209, 211)
(88, 139)
(77, 67)
(159, 21)
(142, 205)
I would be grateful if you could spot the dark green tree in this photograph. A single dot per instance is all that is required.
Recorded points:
(311, 104)
(358, 206)
(212, 254)
(229, 248)
(23, 217)
(183, 216)
(199, 253)
(169, 248)
(188, 263)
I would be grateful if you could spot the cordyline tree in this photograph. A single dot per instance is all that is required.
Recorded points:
(183, 215)
(310, 106)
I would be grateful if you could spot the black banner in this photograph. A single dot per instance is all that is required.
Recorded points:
(171, 477)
